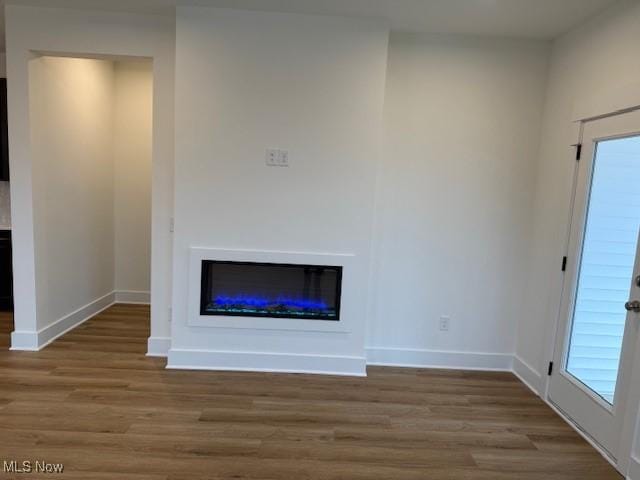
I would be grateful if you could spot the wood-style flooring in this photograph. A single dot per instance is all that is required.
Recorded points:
(94, 402)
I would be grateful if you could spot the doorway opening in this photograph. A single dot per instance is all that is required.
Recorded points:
(91, 150)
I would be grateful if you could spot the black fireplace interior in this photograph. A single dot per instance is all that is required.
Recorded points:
(274, 290)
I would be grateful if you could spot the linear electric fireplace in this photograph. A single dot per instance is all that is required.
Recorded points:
(276, 290)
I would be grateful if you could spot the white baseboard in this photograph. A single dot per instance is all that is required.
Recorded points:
(133, 296)
(418, 358)
(266, 362)
(528, 375)
(33, 341)
(25, 341)
(158, 346)
(634, 468)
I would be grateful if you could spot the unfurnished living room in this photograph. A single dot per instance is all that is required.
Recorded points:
(320, 239)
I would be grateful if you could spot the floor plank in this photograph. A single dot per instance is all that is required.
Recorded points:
(93, 401)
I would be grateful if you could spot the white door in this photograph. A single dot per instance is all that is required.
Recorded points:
(598, 327)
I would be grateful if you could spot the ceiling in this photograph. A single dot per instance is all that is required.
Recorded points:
(538, 19)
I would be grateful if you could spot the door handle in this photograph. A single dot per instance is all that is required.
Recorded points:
(632, 306)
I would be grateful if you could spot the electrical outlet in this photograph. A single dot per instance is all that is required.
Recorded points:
(444, 323)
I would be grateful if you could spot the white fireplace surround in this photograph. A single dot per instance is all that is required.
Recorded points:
(347, 306)
(273, 344)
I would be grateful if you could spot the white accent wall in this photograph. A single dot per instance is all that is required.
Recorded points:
(246, 82)
(455, 191)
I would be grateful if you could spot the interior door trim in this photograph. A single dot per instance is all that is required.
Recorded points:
(614, 113)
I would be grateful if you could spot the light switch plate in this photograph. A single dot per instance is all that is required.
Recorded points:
(271, 157)
(276, 158)
(445, 322)
(284, 158)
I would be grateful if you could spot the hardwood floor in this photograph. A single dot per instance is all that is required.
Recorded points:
(95, 403)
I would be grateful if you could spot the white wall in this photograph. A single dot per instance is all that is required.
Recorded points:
(595, 64)
(132, 139)
(496, 89)
(71, 113)
(462, 120)
(68, 31)
(248, 81)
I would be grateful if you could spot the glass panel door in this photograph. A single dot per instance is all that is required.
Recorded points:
(598, 332)
(606, 267)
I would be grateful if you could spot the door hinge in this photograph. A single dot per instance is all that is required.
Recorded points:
(550, 370)
(578, 151)
(564, 264)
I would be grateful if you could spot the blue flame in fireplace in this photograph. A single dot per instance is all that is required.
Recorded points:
(256, 302)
